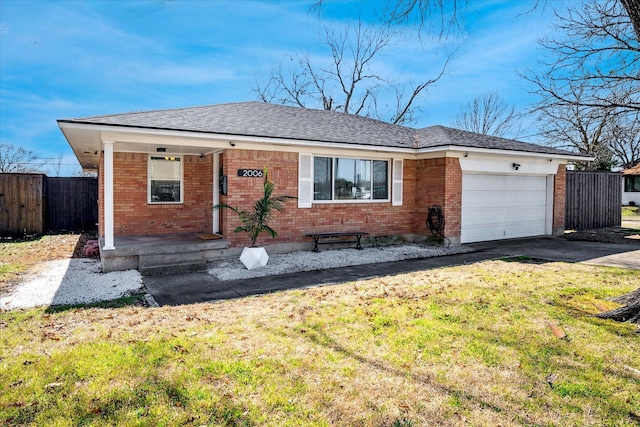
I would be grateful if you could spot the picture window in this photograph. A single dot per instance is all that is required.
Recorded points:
(350, 179)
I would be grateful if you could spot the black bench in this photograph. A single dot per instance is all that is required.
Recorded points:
(337, 238)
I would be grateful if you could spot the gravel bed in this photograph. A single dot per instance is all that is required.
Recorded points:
(70, 281)
(232, 269)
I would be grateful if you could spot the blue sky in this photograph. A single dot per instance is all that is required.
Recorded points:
(64, 59)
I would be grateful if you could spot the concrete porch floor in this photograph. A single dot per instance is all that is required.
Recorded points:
(157, 241)
(164, 253)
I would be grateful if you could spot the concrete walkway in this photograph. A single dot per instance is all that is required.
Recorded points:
(202, 287)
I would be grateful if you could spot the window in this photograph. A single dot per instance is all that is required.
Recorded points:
(165, 179)
(350, 179)
(322, 182)
(632, 184)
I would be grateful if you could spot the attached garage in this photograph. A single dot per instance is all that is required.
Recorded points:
(501, 206)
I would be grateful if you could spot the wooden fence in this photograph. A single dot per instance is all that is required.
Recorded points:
(22, 204)
(71, 204)
(34, 204)
(593, 200)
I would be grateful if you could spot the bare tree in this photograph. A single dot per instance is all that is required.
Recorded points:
(56, 165)
(628, 312)
(632, 8)
(587, 130)
(17, 160)
(350, 82)
(589, 89)
(439, 17)
(421, 12)
(599, 52)
(488, 114)
(624, 140)
(449, 12)
(84, 174)
(433, 17)
(584, 133)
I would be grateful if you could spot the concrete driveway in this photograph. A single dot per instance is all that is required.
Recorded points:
(559, 249)
(203, 287)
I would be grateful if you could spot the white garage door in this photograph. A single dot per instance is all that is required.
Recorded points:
(502, 207)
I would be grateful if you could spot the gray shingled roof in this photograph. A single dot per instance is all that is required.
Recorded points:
(278, 121)
(436, 136)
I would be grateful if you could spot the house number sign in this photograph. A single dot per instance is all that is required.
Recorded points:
(251, 173)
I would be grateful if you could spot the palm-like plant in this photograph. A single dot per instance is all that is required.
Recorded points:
(256, 221)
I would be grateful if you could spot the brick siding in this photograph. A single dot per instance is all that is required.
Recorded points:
(426, 183)
(133, 215)
(559, 189)
(378, 219)
(439, 182)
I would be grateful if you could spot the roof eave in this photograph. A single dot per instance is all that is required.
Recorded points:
(102, 130)
(463, 149)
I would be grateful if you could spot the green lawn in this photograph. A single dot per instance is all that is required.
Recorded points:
(459, 346)
(630, 211)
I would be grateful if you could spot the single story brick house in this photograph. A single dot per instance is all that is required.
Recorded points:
(161, 172)
(631, 185)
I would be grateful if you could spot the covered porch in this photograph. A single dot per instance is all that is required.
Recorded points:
(108, 173)
(165, 253)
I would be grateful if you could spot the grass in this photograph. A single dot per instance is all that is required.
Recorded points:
(457, 346)
(630, 210)
(10, 264)
(8, 270)
(133, 300)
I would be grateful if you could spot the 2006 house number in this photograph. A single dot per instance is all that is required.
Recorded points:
(251, 173)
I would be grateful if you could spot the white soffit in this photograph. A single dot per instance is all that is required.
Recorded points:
(515, 163)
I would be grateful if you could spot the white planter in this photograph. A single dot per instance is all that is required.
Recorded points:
(253, 258)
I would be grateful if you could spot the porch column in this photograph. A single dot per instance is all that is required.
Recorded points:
(216, 192)
(108, 196)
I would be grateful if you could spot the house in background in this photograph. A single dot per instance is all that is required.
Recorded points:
(631, 185)
(161, 172)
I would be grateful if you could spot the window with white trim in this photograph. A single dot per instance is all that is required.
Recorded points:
(350, 179)
(165, 179)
